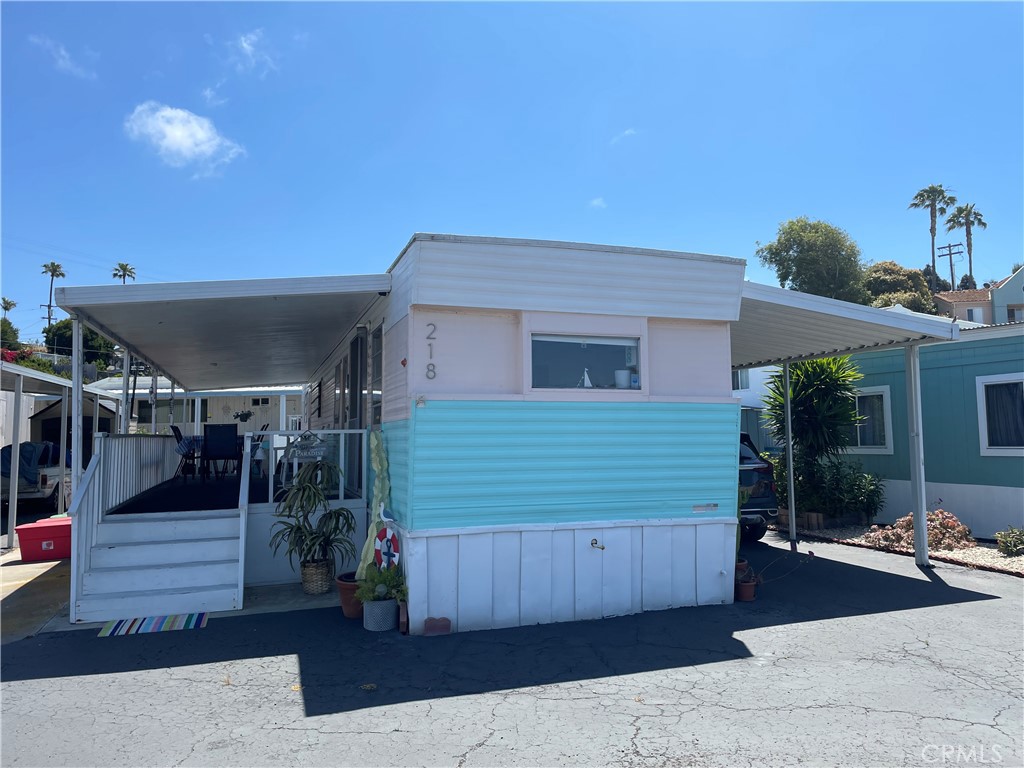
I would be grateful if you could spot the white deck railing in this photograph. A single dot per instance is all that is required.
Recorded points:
(122, 466)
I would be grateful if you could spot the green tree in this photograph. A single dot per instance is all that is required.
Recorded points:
(935, 200)
(816, 257)
(889, 284)
(54, 270)
(59, 340)
(934, 281)
(965, 217)
(823, 404)
(967, 283)
(123, 271)
(9, 335)
(7, 305)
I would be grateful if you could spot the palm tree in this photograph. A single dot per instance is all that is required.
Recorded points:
(936, 200)
(966, 218)
(123, 271)
(54, 270)
(7, 305)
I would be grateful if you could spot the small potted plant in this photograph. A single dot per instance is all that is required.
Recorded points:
(746, 586)
(379, 593)
(310, 529)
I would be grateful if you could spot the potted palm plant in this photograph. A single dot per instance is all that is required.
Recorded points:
(380, 593)
(310, 529)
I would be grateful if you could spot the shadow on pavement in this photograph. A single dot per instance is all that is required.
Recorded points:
(336, 656)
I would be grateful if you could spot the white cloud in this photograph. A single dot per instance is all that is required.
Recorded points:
(61, 58)
(626, 133)
(213, 99)
(249, 53)
(598, 202)
(181, 138)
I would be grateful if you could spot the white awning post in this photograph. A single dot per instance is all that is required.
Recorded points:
(12, 507)
(126, 417)
(172, 404)
(152, 401)
(196, 415)
(915, 423)
(790, 485)
(63, 450)
(77, 382)
(282, 411)
(95, 420)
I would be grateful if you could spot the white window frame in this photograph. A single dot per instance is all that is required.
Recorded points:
(974, 314)
(980, 384)
(743, 379)
(887, 449)
(551, 324)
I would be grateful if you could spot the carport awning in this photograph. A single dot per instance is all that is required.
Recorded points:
(39, 383)
(778, 325)
(230, 333)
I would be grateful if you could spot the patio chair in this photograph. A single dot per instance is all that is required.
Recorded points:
(220, 443)
(187, 449)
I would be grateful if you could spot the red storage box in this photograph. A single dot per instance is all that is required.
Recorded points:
(48, 539)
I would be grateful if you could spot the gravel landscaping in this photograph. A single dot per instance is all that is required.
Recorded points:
(985, 555)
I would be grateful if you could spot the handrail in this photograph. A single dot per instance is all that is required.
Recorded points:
(244, 472)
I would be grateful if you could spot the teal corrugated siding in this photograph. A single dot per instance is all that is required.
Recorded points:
(492, 463)
(396, 442)
(949, 406)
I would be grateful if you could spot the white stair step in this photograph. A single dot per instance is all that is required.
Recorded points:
(132, 605)
(121, 529)
(99, 581)
(149, 553)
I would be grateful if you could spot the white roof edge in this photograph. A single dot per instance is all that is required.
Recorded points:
(71, 297)
(429, 237)
(49, 378)
(937, 327)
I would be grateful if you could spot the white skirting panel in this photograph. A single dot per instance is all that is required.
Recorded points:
(985, 509)
(508, 577)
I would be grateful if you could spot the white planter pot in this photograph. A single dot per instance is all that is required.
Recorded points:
(380, 615)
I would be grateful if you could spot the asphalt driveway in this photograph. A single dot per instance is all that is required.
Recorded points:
(847, 658)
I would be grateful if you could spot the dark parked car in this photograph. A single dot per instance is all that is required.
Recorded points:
(756, 475)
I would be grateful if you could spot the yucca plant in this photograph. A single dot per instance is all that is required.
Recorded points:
(312, 538)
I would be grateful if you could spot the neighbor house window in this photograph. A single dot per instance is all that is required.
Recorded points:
(258, 401)
(873, 433)
(1014, 314)
(975, 314)
(585, 362)
(1001, 414)
(741, 379)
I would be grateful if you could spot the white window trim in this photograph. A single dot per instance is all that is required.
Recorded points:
(876, 450)
(551, 324)
(980, 382)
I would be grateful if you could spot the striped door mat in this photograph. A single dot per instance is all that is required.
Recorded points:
(154, 624)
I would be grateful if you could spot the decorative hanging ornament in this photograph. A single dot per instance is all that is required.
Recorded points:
(385, 548)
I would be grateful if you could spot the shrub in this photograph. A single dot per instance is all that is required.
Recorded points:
(1011, 541)
(945, 532)
(838, 488)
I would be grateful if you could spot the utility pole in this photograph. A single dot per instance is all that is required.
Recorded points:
(951, 253)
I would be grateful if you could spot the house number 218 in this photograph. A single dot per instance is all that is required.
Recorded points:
(431, 336)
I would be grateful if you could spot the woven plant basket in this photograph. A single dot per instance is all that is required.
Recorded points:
(316, 577)
(380, 615)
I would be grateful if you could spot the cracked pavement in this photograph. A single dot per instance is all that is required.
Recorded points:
(848, 658)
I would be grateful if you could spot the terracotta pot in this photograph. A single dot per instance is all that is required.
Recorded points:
(347, 586)
(741, 567)
(745, 591)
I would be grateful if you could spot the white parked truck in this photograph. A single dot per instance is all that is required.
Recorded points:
(38, 474)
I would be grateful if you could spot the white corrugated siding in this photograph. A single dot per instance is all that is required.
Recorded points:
(563, 279)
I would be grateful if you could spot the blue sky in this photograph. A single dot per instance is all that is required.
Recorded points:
(217, 141)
